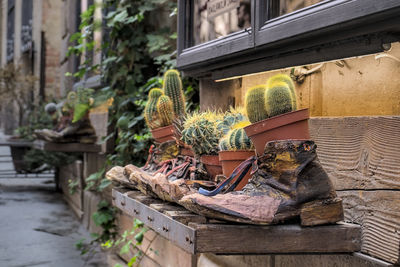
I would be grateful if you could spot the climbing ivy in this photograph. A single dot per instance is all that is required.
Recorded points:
(136, 53)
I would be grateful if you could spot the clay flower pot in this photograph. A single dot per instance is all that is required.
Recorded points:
(187, 151)
(292, 125)
(212, 164)
(231, 159)
(163, 134)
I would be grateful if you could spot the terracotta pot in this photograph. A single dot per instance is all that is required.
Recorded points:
(187, 151)
(231, 159)
(212, 164)
(163, 134)
(291, 125)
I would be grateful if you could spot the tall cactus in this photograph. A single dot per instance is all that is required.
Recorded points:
(254, 101)
(172, 86)
(165, 110)
(278, 99)
(286, 79)
(150, 110)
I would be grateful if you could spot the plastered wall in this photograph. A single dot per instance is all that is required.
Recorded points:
(351, 87)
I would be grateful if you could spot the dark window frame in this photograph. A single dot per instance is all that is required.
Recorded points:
(328, 30)
(10, 30)
(26, 25)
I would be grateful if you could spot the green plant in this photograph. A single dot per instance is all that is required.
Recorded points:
(236, 139)
(289, 82)
(202, 133)
(83, 102)
(150, 111)
(231, 117)
(172, 86)
(130, 239)
(255, 103)
(165, 110)
(278, 99)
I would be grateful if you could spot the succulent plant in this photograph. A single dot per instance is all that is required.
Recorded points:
(165, 110)
(150, 110)
(232, 117)
(172, 86)
(255, 103)
(201, 132)
(278, 99)
(236, 139)
(286, 79)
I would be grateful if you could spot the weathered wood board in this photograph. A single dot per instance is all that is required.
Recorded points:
(362, 157)
(73, 173)
(359, 152)
(378, 212)
(239, 239)
(66, 147)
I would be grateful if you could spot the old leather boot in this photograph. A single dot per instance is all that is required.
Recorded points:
(288, 182)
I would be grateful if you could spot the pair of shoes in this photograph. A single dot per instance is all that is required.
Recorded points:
(167, 174)
(78, 132)
(288, 182)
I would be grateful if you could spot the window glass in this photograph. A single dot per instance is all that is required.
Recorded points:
(282, 7)
(214, 19)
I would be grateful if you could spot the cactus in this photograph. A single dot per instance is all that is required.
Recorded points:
(165, 110)
(236, 139)
(255, 103)
(278, 99)
(172, 86)
(231, 117)
(286, 79)
(150, 110)
(201, 132)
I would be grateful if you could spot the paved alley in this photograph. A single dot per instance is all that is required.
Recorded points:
(37, 228)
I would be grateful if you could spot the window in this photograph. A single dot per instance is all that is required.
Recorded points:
(10, 29)
(281, 33)
(26, 25)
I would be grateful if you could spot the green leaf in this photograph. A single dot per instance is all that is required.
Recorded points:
(103, 184)
(125, 248)
(139, 237)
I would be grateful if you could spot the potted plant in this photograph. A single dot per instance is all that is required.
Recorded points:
(272, 111)
(235, 148)
(203, 132)
(164, 105)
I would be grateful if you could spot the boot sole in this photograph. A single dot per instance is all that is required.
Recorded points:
(317, 212)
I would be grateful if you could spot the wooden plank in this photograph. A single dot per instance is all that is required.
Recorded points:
(66, 147)
(359, 152)
(172, 230)
(379, 214)
(248, 239)
(241, 239)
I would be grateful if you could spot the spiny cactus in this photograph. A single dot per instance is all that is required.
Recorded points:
(286, 79)
(150, 110)
(255, 106)
(231, 117)
(201, 132)
(165, 110)
(236, 139)
(172, 86)
(278, 99)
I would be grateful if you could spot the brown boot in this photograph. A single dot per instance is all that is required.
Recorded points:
(288, 182)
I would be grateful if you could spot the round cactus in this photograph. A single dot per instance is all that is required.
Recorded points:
(289, 82)
(165, 110)
(278, 99)
(150, 111)
(172, 86)
(255, 106)
(224, 144)
(238, 140)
